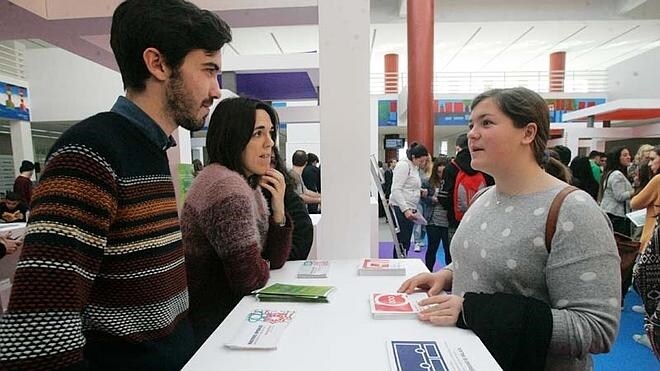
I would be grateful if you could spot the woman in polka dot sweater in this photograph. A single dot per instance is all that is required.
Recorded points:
(533, 307)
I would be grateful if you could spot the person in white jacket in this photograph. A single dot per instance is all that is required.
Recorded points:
(616, 191)
(406, 190)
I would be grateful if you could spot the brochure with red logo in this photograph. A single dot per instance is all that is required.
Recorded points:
(381, 267)
(396, 305)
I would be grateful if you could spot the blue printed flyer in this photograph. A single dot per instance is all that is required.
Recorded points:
(416, 356)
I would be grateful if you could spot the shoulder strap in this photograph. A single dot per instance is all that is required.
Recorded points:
(478, 194)
(553, 215)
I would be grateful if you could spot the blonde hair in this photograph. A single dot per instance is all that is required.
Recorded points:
(640, 152)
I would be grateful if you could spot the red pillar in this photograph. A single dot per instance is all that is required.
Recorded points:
(391, 73)
(557, 71)
(420, 72)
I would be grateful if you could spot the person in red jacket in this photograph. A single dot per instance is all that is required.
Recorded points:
(23, 182)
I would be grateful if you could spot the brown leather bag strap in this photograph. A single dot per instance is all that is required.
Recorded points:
(553, 215)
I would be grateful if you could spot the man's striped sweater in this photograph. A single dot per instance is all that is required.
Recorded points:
(102, 269)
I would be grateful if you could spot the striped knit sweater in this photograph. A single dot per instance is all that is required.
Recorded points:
(229, 240)
(102, 269)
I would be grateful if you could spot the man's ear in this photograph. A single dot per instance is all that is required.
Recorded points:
(156, 65)
(529, 133)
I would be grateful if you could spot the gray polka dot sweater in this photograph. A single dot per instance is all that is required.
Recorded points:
(500, 247)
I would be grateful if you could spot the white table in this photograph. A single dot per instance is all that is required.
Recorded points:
(8, 263)
(337, 336)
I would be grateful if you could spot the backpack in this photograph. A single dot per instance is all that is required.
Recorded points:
(465, 187)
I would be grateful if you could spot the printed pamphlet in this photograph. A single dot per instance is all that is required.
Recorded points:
(396, 305)
(638, 217)
(314, 269)
(262, 329)
(295, 293)
(382, 267)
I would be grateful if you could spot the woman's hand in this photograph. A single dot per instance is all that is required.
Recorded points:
(11, 245)
(443, 309)
(273, 181)
(432, 283)
(410, 214)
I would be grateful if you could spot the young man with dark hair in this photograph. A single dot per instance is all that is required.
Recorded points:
(455, 197)
(311, 176)
(596, 164)
(23, 182)
(13, 209)
(101, 283)
(299, 161)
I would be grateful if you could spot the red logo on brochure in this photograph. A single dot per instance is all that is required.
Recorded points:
(393, 303)
(375, 263)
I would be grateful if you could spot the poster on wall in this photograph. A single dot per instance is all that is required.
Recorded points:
(387, 113)
(558, 107)
(455, 112)
(14, 102)
(448, 112)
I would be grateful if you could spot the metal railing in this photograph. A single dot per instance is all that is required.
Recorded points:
(477, 82)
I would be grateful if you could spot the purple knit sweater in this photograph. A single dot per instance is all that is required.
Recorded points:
(229, 240)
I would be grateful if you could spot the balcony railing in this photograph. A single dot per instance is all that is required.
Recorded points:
(477, 82)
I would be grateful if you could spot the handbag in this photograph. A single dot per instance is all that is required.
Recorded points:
(628, 250)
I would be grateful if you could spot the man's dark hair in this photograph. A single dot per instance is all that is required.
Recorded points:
(416, 150)
(312, 158)
(13, 196)
(26, 166)
(299, 158)
(594, 154)
(174, 27)
(564, 154)
(462, 141)
(230, 129)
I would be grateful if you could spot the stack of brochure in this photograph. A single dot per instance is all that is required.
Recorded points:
(261, 329)
(396, 305)
(381, 267)
(420, 355)
(314, 269)
(295, 293)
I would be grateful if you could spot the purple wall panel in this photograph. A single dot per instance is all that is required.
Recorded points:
(276, 86)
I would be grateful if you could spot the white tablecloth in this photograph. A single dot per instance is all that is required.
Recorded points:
(337, 336)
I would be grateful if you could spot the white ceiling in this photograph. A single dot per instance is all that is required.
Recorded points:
(480, 46)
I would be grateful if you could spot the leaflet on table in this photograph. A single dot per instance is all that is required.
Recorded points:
(396, 305)
(261, 329)
(382, 267)
(314, 269)
(638, 217)
(427, 355)
(285, 292)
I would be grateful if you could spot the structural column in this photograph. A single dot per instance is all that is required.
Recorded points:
(420, 72)
(21, 143)
(391, 73)
(345, 130)
(557, 71)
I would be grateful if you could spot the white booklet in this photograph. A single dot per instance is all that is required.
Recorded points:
(314, 269)
(396, 305)
(638, 217)
(381, 267)
(261, 329)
